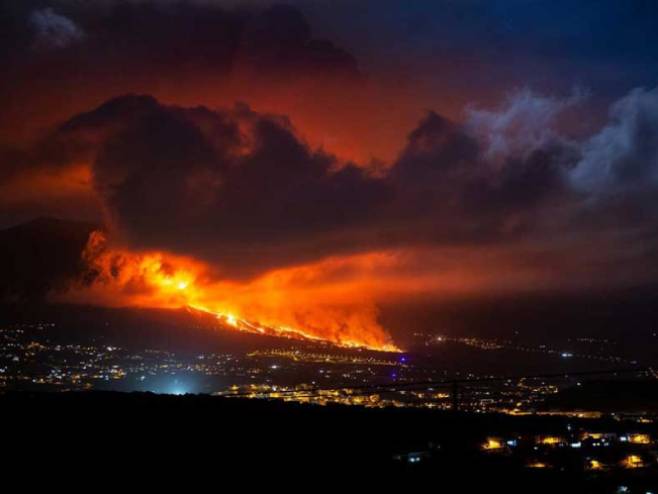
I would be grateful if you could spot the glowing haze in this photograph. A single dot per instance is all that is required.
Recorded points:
(240, 163)
(292, 303)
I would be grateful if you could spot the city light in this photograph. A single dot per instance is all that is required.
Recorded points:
(633, 461)
(640, 439)
(492, 444)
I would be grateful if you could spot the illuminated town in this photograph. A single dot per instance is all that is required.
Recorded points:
(321, 375)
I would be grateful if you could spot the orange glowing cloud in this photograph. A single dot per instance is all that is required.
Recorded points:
(56, 191)
(52, 184)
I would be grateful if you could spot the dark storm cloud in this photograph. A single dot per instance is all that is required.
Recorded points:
(242, 190)
(617, 174)
(53, 30)
(229, 186)
(624, 154)
(280, 39)
(449, 181)
(609, 45)
(60, 57)
(181, 36)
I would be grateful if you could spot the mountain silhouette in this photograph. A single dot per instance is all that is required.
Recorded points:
(40, 256)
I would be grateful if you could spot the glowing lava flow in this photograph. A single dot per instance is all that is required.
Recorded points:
(272, 305)
(287, 332)
(181, 282)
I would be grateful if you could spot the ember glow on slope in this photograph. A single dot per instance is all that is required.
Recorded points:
(162, 280)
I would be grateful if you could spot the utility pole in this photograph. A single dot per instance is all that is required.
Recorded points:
(455, 396)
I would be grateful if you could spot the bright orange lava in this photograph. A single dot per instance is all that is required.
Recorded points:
(282, 303)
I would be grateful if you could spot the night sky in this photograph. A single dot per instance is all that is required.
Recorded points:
(302, 164)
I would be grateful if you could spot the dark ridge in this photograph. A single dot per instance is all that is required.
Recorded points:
(224, 439)
(39, 256)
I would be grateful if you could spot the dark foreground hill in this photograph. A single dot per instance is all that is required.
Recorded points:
(256, 441)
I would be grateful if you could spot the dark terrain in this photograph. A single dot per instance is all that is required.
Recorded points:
(219, 438)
